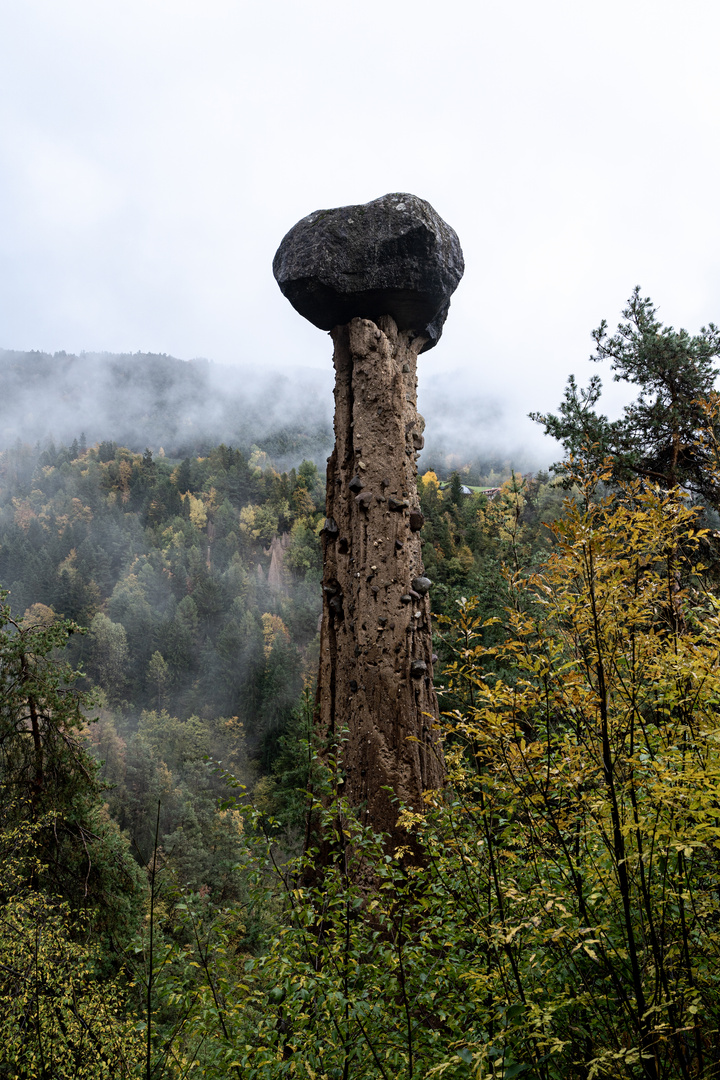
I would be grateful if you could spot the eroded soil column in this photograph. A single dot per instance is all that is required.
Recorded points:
(380, 276)
(375, 689)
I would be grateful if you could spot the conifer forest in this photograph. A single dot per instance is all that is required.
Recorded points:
(185, 890)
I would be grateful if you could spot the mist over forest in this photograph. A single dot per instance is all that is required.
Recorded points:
(186, 407)
(154, 400)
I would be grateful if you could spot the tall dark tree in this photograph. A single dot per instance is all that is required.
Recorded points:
(49, 780)
(456, 489)
(657, 436)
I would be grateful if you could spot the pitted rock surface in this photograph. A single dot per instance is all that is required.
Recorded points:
(393, 256)
(375, 687)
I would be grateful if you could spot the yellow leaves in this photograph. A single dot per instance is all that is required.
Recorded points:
(232, 820)
(258, 460)
(69, 564)
(198, 511)
(124, 474)
(258, 522)
(430, 480)
(273, 628)
(502, 515)
(60, 511)
(39, 615)
(409, 819)
(585, 946)
(302, 502)
(24, 513)
(49, 973)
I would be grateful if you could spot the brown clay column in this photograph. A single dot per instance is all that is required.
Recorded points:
(375, 683)
(380, 276)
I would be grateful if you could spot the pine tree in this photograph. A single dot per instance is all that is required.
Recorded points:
(456, 489)
(656, 438)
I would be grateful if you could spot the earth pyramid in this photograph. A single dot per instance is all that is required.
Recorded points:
(379, 277)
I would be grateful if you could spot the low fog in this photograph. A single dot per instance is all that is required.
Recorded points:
(187, 406)
(154, 155)
(157, 401)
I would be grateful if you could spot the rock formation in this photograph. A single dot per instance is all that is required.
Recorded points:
(383, 288)
(276, 578)
(393, 256)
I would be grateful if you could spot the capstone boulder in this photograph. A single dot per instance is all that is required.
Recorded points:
(393, 256)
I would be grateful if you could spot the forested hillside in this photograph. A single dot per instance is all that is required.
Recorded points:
(555, 911)
(176, 562)
(187, 407)
(193, 587)
(145, 399)
(198, 585)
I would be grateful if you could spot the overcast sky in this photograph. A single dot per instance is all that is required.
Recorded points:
(153, 153)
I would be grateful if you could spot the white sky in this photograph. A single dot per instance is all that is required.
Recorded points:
(154, 152)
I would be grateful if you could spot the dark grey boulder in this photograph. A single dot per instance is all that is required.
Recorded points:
(421, 585)
(393, 256)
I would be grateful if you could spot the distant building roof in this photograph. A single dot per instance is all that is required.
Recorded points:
(464, 489)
